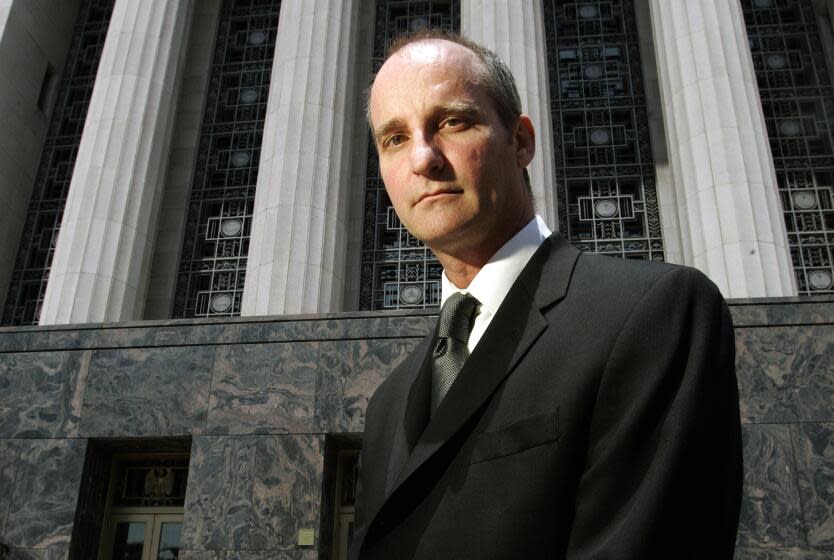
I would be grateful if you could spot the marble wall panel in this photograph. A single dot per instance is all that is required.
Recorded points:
(299, 554)
(814, 448)
(177, 335)
(147, 392)
(803, 310)
(786, 374)
(770, 510)
(51, 553)
(125, 337)
(42, 504)
(337, 327)
(286, 331)
(287, 490)
(218, 500)
(182, 332)
(8, 468)
(11, 341)
(41, 393)
(794, 553)
(264, 388)
(64, 339)
(349, 373)
(202, 554)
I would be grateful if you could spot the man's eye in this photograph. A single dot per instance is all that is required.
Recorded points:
(452, 122)
(395, 140)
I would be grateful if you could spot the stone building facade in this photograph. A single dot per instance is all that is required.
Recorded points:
(204, 281)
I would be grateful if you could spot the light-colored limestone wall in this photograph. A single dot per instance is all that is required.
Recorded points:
(665, 179)
(725, 184)
(184, 144)
(296, 261)
(514, 30)
(102, 258)
(34, 36)
(359, 146)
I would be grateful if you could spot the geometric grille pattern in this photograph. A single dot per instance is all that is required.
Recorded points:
(49, 194)
(606, 187)
(213, 263)
(398, 270)
(798, 104)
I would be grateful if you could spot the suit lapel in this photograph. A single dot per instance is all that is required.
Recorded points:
(413, 413)
(483, 372)
(516, 326)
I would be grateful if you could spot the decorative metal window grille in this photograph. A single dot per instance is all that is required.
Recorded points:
(398, 271)
(49, 194)
(798, 103)
(606, 188)
(213, 262)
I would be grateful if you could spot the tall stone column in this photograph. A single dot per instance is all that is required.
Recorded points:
(514, 30)
(296, 261)
(725, 184)
(100, 268)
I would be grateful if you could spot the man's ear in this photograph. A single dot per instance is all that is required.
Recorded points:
(525, 140)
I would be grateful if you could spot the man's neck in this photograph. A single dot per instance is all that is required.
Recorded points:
(463, 264)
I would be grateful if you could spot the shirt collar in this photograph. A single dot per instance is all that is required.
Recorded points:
(497, 276)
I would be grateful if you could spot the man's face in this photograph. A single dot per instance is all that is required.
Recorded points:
(451, 168)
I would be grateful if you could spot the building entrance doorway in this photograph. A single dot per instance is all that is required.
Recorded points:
(143, 536)
(145, 512)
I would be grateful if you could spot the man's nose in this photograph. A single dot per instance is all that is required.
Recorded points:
(425, 155)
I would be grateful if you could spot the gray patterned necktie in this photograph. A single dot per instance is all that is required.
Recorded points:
(450, 351)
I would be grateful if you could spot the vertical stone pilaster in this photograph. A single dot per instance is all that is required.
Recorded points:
(296, 261)
(100, 268)
(35, 37)
(725, 184)
(514, 30)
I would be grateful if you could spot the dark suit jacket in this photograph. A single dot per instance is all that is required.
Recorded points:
(597, 418)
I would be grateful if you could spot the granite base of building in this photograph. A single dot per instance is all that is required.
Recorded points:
(262, 403)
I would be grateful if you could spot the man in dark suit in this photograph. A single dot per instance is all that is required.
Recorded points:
(568, 405)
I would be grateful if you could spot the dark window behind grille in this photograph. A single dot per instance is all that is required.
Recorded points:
(49, 195)
(213, 263)
(606, 190)
(798, 103)
(398, 271)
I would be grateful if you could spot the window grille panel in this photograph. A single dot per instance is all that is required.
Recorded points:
(606, 188)
(798, 104)
(398, 271)
(49, 194)
(213, 262)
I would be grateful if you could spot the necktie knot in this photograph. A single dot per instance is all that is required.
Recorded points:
(456, 317)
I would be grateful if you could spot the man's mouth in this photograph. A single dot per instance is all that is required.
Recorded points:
(436, 195)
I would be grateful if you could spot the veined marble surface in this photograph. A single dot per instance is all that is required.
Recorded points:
(147, 392)
(257, 396)
(41, 506)
(264, 388)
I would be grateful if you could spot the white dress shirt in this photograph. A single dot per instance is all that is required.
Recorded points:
(494, 280)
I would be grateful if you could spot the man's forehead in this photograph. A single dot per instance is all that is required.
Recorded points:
(425, 56)
(431, 52)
